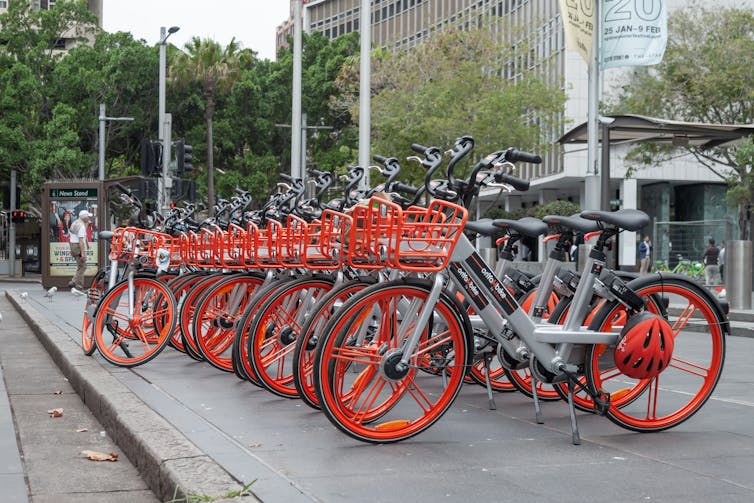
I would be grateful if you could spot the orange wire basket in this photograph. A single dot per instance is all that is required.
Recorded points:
(325, 239)
(131, 244)
(416, 239)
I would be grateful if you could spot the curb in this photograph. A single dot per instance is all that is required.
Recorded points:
(171, 465)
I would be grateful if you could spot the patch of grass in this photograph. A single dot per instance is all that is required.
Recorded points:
(198, 498)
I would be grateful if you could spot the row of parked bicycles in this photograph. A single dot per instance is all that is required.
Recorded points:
(376, 309)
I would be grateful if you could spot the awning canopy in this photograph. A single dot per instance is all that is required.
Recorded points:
(637, 128)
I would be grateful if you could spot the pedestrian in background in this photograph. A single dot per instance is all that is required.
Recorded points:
(645, 255)
(711, 268)
(721, 261)
(79, 247)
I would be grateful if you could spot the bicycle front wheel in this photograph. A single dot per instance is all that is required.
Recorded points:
(361, 385)
(126, 338)
(645, 405)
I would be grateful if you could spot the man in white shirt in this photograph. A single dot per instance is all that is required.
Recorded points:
(79, 247)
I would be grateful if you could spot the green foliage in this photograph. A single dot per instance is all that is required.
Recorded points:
(454, 84)
(558, 207)
(705, 76)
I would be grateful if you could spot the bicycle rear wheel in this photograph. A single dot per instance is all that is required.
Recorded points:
(93, 295)
(215, 316)
(362, 388)
(306, 342)
(694, 370)
(275, 327)
(126, 339)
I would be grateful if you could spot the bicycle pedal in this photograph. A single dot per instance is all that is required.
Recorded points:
(601, 403)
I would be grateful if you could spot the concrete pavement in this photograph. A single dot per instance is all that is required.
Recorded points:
(40, 455)
(294, 454)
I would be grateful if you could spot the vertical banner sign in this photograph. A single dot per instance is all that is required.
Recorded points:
(634, 32)
(578, 24)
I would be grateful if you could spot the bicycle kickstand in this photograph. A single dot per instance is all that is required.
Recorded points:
(487, 381)
(600, 398)
(575, 437)
(537, 403)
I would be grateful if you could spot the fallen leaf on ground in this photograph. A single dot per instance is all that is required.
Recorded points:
(100, 456)
(55, 412)
(57, 392)
(255, 444)
(82, 430)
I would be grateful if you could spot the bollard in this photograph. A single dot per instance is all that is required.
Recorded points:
(738, 256)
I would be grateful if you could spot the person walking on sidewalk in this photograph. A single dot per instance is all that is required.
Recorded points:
(645, 255)
(79, 247)
(721, 261)
(710, 257)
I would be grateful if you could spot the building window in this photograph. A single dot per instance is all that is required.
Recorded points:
(3, 4)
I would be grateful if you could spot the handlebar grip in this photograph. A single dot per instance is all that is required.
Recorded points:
(379, 158)
(402, 187)
(286, 178)
(419, 149)
(517, 183)
(514, 155)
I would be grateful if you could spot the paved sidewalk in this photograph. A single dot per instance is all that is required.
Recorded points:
(172, 466)
(48, 465)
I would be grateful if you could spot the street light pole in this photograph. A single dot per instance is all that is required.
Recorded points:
(101, 139)
(162, 193)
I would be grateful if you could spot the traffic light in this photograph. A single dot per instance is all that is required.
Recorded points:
(183, 157)
(18, 216)
(151, 158)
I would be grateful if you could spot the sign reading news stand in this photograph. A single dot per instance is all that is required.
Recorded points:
(633, 32)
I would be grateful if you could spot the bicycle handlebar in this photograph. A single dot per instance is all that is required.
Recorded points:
(515, 155)
(517, 183)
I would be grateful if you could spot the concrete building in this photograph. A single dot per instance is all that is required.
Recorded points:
(680, 190)
(66, 42)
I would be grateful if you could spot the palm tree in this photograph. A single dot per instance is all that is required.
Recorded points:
(216, 69)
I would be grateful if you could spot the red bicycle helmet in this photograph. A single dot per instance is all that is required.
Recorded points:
(645, 347)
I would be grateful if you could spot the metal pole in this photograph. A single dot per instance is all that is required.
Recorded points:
(164, 183)
(101, 141)
(365, 73)
(592, 188)
(161, 90)
(605, 173)
(303, 145)
(296, 111)
(167, 183)
(12, 227)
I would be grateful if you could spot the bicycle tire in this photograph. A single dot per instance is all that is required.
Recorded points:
(240, 351)
(98, 285)
(152, 298)
(694, 369)
(215, 316)
(271, 352)
(187, 309)
(306, 342)
(374, 404)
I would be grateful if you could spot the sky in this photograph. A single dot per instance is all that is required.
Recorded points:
(252, 22)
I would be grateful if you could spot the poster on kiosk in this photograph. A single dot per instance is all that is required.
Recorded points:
(64, 205)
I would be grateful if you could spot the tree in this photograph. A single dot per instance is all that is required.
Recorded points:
(215, 68)
(456, 83)
(705, 76)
